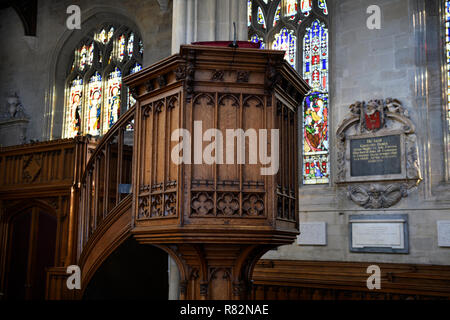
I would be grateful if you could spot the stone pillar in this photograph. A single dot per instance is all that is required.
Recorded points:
(174, 280)
(207, 20)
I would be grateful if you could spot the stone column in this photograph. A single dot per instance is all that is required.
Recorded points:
(207, 20)
(174, 280)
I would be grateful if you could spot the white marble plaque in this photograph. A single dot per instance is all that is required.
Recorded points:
(313, 234)
(378, 234)
(443, 231)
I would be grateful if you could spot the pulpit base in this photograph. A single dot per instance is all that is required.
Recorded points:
(215, 271)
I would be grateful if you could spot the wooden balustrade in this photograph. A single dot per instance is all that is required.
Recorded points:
(107, 179)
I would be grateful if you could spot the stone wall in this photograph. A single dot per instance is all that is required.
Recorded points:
(35, 67)
(376, 64)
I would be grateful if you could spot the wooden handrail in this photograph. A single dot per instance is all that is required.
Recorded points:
(95, 196)
(124, 119)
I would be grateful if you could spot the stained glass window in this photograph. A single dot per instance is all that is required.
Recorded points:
(141, 47)
(249, 12)
(302, 24)
(315, 120)
(261, 19)
(114, 86)
(315, 141)
(83, 57)
(91, 54)
(287, 41)
(315, 56)
(130, 45)
(447, 31)
(137, 67)
(276, 18)
(306, 6)
(290, 8)
(94, 102)
(104, 36)
(131, 101)
(73, 112)
(95, 97)
(121, 47)
(257, 39)
(323, 6)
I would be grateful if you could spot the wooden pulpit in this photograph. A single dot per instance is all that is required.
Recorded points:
(216, 162)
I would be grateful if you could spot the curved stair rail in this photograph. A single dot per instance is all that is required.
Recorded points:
(106, 182)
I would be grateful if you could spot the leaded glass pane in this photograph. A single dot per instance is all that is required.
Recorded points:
(121, 47)
(114, 86)
(83, 54)
(261, 20)
(94, 101)
(315, 142)
(447, 30)
(315, 56)
(257, 39)
(131, 101)
(315, 113)
(323, 6)
(91, 54)
(306, 6)
(137, 67)
(130, 45)
(73, 111)
(276, 18)
(249, 13)
(104, 36)
(287, 41)
(141, 47)
(290, 8)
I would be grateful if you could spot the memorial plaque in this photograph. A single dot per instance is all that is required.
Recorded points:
(313, 233)
(375, 156)
(379, 233)
(443, 228)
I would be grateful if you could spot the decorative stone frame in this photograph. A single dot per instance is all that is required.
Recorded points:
(390, 188)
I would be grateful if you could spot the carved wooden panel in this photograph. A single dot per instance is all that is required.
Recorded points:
(287, 178)
(158, 176)
(41, 164)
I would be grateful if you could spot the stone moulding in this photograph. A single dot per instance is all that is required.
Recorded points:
(378, 118)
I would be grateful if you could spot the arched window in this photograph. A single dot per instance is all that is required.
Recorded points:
(95, 97)
(300, 28)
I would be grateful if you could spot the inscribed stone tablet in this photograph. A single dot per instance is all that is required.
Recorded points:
(375, 156)
(380, 235)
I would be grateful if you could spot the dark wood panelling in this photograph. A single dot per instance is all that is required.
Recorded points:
(328, 280)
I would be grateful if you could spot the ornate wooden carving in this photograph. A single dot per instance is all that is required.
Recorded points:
(43, 178)
(217, 75)
(242, 76)
(200, 211)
